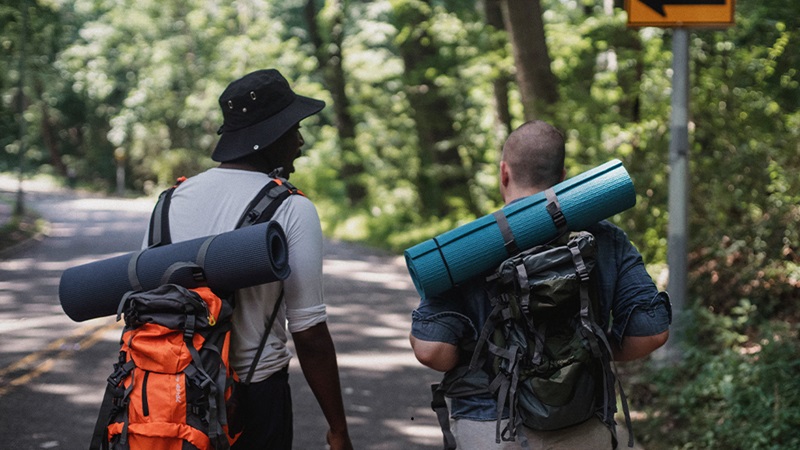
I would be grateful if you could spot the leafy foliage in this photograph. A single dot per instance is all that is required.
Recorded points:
(134, 84)
(737, 397)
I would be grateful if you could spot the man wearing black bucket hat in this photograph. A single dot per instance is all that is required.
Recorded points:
(260, 138)
(448, 327)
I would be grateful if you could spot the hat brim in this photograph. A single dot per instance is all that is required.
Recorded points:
(236, 144)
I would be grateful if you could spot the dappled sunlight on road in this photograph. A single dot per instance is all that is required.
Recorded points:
(45, 358)
(375, 361)
(366, 272)
(48, 359)
(369, 297)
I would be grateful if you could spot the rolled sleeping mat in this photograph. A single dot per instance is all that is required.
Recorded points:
(451, 258)
(233, 260)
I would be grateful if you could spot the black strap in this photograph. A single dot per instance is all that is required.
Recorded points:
(196, 267)
(263, 342)
(588, 330)
(159, 219)
(626, 411)
(266, 202)
(495, 316)
(554, 209)
(200, 259)
(439, 406)
(505, 229)
(133, 276)
(100, 434)
(259, 210)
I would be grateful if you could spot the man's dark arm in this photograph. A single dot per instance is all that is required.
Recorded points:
(317, 357)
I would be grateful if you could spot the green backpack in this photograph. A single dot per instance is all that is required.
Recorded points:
(548, 359)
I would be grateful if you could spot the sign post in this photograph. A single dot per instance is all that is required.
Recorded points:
(678, 227)
(679, 15)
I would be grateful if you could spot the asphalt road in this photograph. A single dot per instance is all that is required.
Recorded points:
(53, 370)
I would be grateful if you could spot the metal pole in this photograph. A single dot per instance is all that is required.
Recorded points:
(678, 234)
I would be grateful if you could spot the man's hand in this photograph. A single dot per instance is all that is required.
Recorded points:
(339, 441)
(317, 357)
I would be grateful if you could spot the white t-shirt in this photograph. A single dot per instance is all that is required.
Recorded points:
(211, 203)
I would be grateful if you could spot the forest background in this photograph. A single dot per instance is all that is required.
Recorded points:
(121, 95)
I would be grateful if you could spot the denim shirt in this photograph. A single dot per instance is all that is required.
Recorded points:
(630, 303)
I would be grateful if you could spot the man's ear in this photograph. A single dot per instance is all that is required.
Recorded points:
(505, 175)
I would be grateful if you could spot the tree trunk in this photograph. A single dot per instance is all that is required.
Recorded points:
(537, 84)
(494, 18)
(49, 134)
(330, 58)
(442, 175)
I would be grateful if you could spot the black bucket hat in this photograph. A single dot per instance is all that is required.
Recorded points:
(257, 109)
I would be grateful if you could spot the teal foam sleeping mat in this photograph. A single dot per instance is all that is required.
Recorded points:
(438, 264)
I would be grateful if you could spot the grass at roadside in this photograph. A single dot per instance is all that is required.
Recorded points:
(19, 228)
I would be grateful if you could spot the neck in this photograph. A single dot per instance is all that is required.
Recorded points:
(515, 194)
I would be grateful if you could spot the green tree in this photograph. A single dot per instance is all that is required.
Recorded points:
(537, 84)
(442, 178)
(326, 31)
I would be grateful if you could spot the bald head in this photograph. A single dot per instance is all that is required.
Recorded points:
(534, 156)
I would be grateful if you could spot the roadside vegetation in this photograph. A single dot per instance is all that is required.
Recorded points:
(122, 96)
(19, 228)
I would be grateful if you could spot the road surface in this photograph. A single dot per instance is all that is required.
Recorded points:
(53, 370)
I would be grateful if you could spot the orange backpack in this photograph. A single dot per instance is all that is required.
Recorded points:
(172, 382)
(173, 387)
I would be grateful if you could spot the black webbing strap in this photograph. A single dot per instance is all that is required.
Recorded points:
(583, 277)
(200, 259)
(263, 342)
(159, 219)
(626, 411)
(133, 276)
(133, 279)
(266, 202)
(100, 434)
(554, 209)
(505, 229)
(497, 315)
(198, 273)
(439, 406)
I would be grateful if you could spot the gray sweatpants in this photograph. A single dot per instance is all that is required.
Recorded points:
(479, 435)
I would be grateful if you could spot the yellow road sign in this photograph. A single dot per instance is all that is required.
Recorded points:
(679, 13)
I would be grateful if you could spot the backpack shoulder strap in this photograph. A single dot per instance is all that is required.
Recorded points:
(266, 202)
(158, 233)
(260, 209)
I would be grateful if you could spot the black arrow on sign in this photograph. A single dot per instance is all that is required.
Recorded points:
(658, 5)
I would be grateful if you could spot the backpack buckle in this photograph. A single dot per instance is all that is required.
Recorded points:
(120, 371)
(199, 275)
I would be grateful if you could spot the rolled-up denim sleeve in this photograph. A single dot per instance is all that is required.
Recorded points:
(446, 327)
(637, 307)
(436, 319)
(648, 320)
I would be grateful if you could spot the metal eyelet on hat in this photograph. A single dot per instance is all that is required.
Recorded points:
(253, 95)
(255, 147)
(244, 110)
(230, 104)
